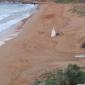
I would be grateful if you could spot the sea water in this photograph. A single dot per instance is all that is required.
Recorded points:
(10, 15)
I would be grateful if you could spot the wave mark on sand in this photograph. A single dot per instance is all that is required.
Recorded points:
(11, 16)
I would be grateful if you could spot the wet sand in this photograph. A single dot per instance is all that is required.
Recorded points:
(34, 52)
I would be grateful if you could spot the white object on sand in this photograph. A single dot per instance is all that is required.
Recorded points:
(80, 56)
(53, 33)
(1, 43)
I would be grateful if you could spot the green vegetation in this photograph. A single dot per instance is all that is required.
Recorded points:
(72, 75)
(63, 1)
(70, 1)
(79, 9)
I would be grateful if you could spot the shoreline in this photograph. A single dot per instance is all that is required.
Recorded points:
(18, 29)
(23, 22)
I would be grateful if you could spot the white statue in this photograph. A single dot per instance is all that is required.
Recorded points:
(53, 33)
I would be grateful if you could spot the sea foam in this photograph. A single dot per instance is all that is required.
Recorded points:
(10, 15)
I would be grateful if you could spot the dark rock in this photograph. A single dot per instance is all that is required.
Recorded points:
(83, 45)
(57, 34)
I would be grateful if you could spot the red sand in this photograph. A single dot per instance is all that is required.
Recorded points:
(34, 52)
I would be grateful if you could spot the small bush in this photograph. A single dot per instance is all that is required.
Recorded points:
(69, 1)
(79, 9)
(72, 75)
(37, 82)
(63, 1)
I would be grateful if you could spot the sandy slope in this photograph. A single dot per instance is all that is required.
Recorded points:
(34, 52)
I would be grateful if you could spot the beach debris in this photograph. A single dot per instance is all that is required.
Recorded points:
(53, 32)
(83, 45)
(80, 56)
(2, 43)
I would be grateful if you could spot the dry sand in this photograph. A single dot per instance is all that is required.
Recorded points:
(34, 52)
